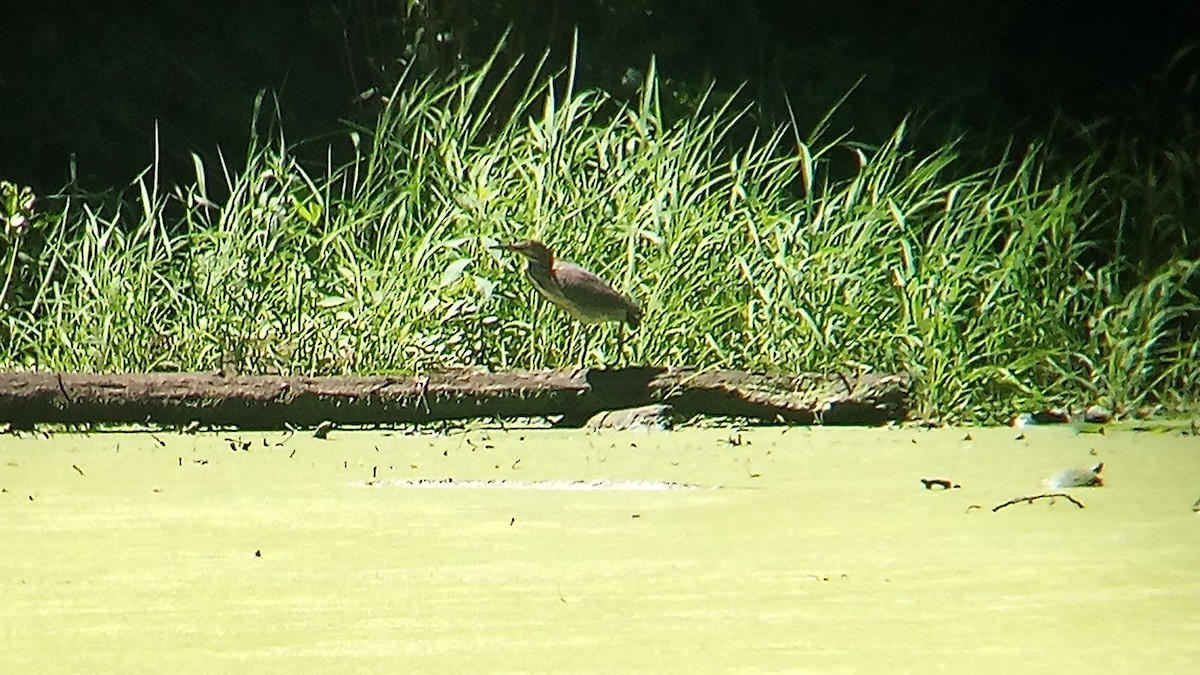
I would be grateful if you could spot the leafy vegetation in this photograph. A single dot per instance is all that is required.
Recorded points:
(747, 247)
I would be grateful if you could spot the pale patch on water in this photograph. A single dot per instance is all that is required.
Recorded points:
(502, 484)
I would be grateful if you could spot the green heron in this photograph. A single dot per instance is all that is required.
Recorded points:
(583, 295)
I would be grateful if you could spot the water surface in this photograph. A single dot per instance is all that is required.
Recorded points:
(801, 550)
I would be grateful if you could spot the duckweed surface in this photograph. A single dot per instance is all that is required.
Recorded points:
(802, 550)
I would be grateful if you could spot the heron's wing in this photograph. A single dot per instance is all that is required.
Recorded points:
(593, 299)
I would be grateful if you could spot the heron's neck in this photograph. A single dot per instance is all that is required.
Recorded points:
(541, 266)
(540, 273)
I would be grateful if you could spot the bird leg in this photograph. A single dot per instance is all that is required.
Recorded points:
(583, 355)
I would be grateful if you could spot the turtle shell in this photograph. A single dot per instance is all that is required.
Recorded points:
(1077, 477)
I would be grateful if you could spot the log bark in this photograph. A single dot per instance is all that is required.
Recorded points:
(270, 401)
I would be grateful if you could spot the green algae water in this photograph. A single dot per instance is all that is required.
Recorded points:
(702, 550)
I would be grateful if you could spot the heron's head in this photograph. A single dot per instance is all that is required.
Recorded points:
(532, 250)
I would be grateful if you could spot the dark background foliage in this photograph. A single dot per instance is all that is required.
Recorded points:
(94, 79)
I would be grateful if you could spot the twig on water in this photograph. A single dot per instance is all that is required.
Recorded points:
(1032, 498)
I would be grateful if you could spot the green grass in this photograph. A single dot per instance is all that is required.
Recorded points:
(993, 286)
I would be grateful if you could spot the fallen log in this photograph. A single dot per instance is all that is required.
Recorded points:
(275, 401)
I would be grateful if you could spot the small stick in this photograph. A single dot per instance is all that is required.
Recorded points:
(1031, 499)
(323, 429)
(845, 382)
(63, 388)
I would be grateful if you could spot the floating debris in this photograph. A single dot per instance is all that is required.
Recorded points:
(323, 429)
(1093, 416)
(940, 483)
(1033, 498)
(1052, 416)
(567, 485)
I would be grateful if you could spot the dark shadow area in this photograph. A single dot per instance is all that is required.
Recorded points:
(94, 81)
